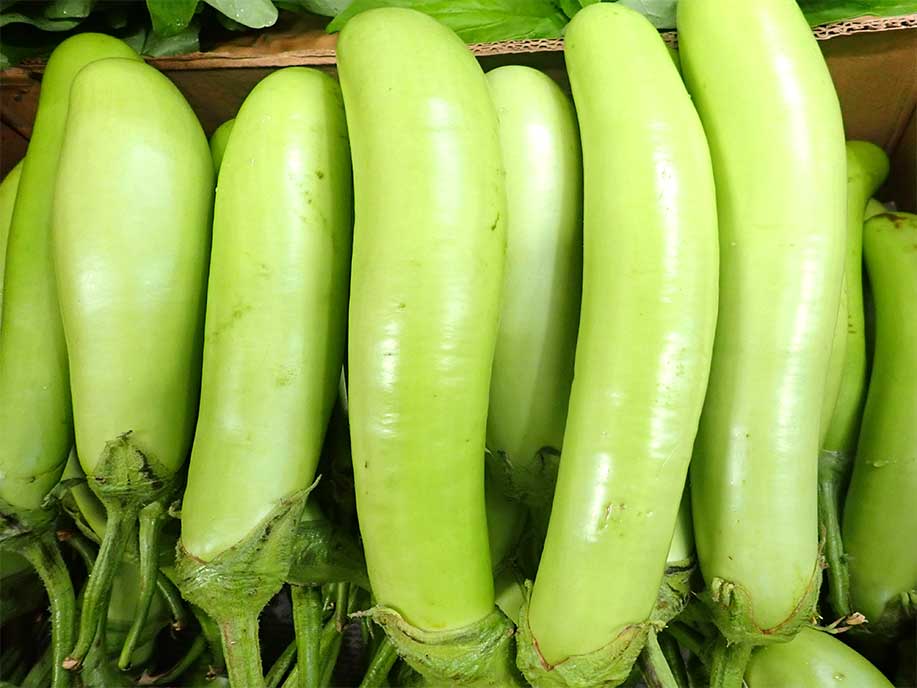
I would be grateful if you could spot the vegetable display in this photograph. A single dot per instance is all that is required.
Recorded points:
(781, 204)
(429, 369)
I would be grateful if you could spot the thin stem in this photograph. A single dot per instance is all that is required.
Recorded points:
(84, 548)
(174, 602)
(654, 666)
(118, 531)
(281, 666)
(382, 662)
(152, 518)
(292, 678)
(690, 639)
(43, 553)
(307, 622)
(329, 660)
(242, 650)
(40, 674)
(180, 667)
(674, 658)
(341, 598)
(214, 639)
(831, 473)
(729, 662)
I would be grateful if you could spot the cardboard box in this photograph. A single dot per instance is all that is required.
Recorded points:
(873, 62)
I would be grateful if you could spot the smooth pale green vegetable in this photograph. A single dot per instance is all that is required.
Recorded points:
(536, 340)
(845, 391)
(8, 189)
(429, 247)
(773, 121)
(131, 245)
(36, 425)
(642, 358)
(218, 141)
(427, 269)
(813, 659)
(867, 168)
(880, 522)
(36, 428)
(273, 349)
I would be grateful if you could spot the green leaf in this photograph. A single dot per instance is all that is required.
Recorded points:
(69, 9)
(825, 11)
(255, 14)
(661, 13)
(170, 17)
(325, 8)
(42, 23)
(477, 21)
(185, 41)
(570, 7)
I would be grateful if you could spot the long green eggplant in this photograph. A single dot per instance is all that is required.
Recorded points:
(36, 423)
(8, 189)
(131, 241)
(813, 659)
(273, 349)
(773, 121)
(867, 168)
(642, 357)
(880, 522)
(218, 141)
(429, 245)
(533, 360)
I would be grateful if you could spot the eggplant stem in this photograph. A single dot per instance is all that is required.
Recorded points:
(242, 649)
(829, 499)
(180, 667)
(307, 622)
(329, 659)
(382, 662)
(119, 529)
(281, 666)
(43, 553)
(674, 658)
(83, 547)
(729, 663)
(341, 605)
(152, 518)
(173, 601)
(654, 666)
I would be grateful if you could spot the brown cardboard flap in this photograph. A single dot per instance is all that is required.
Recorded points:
(873, 63)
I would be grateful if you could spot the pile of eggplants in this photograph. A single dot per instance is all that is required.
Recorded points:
(422, 376)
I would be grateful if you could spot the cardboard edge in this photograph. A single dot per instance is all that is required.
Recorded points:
(234, 56)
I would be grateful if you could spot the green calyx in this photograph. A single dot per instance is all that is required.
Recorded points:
(674, 592)
(606, 667)
(126, 478)
(531, 483)
(234, 587)
(248, 574)
(17, 523)
(732, 611)
(480, 654)
(326, 555)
